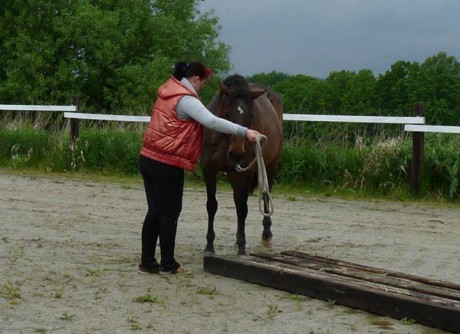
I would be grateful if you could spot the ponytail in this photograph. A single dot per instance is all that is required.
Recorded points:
(182, 69)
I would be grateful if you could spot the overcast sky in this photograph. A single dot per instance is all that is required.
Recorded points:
(316, 37)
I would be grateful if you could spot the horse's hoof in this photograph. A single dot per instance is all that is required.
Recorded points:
(267, 243)
(210, 251)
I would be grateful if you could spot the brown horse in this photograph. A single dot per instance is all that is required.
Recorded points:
(257, 107)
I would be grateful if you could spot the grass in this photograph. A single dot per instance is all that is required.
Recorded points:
(207, 291)
(379, 169)
(134, 324)
(59, 293)
(272, 311)
(330, 303)
(145, 299)
(94, 272)
(10, 291)
(292, 192)
(67, 316)
(408, 321)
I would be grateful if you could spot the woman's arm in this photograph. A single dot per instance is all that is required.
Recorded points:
(191, 107)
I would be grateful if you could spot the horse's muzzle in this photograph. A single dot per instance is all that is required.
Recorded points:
(235, 157)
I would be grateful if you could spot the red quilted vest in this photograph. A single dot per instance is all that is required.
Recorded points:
(169, 139)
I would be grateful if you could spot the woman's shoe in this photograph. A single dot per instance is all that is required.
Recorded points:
(151, 269)
(177, 271)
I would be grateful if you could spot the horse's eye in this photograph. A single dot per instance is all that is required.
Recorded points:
(224, 113)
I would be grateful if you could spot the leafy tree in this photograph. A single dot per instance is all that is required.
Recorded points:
(337, 85)
(393, 89)
(268, 79)
(439, 88)
(360, 97)
(112, 53)
(299, 93)
(435, 82)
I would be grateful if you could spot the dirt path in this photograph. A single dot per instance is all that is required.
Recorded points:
(69, 251)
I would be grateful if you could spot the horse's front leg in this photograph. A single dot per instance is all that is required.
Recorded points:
(240, 198)
(267, 235)
(211, 207)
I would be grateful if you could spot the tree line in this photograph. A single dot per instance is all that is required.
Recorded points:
(115, 53)
(435, 83)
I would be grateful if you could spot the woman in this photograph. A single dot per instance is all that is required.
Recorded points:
(172, 144)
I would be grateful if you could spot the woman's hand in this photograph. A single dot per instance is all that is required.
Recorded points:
(252, 135)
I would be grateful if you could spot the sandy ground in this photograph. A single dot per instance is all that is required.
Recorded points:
(69, 251)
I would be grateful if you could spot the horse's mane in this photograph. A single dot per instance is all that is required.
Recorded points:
(238, 86)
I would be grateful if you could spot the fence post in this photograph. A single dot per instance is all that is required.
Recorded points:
(418, 143)
(74, 124)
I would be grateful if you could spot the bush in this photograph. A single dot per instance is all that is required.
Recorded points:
(24, 148)
(441, 174)
(381, 167)
(95, 150)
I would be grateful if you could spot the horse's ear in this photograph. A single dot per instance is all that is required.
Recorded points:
(254, 93)
(223, 87)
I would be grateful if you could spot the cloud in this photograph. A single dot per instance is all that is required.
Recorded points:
(318, 37)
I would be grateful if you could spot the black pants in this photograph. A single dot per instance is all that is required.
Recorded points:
(164, 188)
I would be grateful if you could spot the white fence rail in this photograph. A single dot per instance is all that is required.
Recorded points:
(432, 128)
(19, 107)
(286, 117)
(105, 117)
(354, 119)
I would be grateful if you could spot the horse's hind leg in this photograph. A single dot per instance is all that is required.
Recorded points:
(267, 235)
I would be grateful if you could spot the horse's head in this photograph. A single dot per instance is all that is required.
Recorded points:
(237, 106)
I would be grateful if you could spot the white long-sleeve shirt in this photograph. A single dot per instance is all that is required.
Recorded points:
(191, 107)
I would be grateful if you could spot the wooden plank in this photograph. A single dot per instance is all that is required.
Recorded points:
(386, 278)
(418, 154)
(74, 124)
(376, 297)
(358, 281)
(372, 269)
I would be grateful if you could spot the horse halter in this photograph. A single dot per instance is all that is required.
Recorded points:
(220, 108)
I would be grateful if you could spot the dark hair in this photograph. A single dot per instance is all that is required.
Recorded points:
(182, 69)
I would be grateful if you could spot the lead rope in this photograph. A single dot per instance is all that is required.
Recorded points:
(264, 189)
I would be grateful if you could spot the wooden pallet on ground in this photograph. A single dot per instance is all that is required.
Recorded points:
(430, 302)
